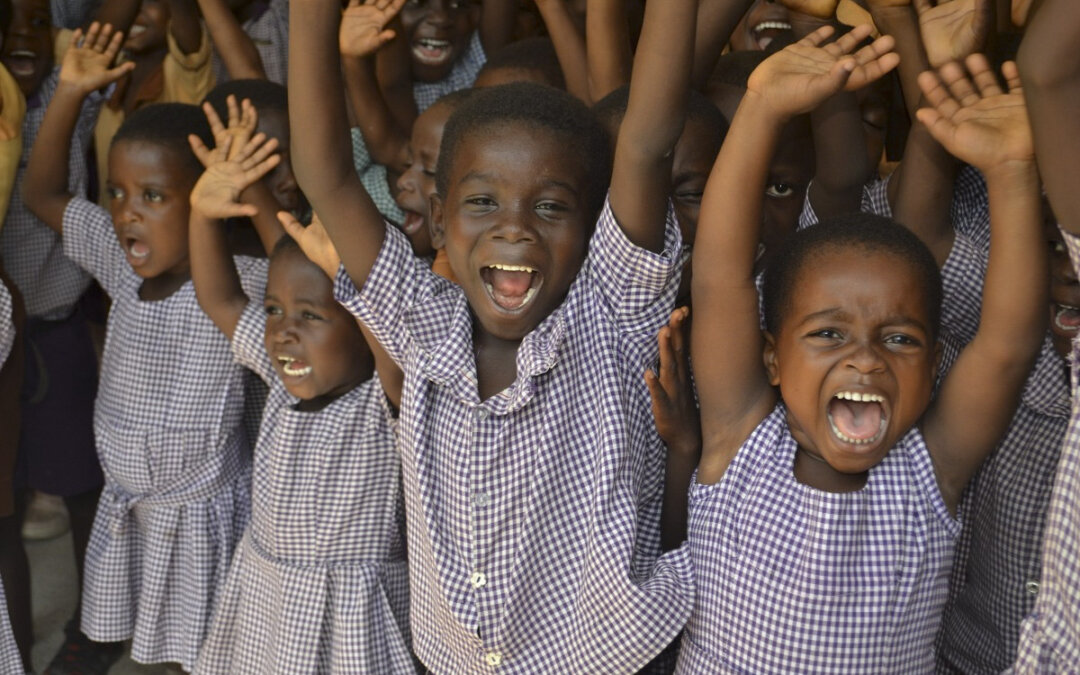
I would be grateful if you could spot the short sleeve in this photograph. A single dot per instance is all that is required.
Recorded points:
(249, 345)
(875, 200)
(638, 286)
(252, 273)
(188, 77)
(90, 242)
(7, 323)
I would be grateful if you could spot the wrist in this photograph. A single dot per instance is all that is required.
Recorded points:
(70, 91)
(1014, 174)
(757, 107)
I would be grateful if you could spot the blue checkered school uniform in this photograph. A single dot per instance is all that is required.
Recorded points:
(7, 324)
(319, 583)
(461, 76)
(533, 516)
(1050, 635)
(168, 426)
(10, 660)
(793, 579)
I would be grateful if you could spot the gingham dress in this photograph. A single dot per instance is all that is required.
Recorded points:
(791, 579)
(168, 426)
(10, 661)
(461, 76)
(269, 31)
(533, 516)
(1050, 636)
(319, 583)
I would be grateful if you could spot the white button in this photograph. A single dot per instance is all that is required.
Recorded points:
(481, 414)
(478, 579)
(1032, 587)
(481, 499)
(494, 659)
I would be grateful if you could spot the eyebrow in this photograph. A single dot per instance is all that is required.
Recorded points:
(483, 176)
(840, 315)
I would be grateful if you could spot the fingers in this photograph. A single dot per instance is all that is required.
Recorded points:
(233, 111)
(199, 148)
(983, 74)
(818, 37)
(113, 47)
(937, 95)
(922, 6)
(253, 174)
(1012, 76)
(293, 227)
(257, 151)
(847, 42)
(216, 127)
(939, 126)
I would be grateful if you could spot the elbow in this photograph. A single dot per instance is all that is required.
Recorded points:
(1041, 66)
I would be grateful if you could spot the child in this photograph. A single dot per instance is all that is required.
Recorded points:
(319, 583)
(532, 490)
(168, 415)
(821, 518)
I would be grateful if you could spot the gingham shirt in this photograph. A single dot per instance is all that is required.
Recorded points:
(533, 516)
(10, 660)
(461, 77)
(269, 30)
(320, 582)
(7, 324)
(794, 579)
(1050, 636)
(33, 254)
(167, 422)
(373, 176)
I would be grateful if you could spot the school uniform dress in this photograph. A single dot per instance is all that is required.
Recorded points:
(1050, 636)
(10, 661)
(268, 28)
(319, 583)
(791, 579)
(174, 453)
(533, 516)
(462, 76)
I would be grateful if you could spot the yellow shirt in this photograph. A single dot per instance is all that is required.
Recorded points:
(183, 78)
(11, 121)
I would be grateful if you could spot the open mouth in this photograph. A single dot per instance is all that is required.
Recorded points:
(412, 223)
(136, 30)
(137, 251)
(856, 418)
(511, 287)
(293, 367)
(431, 51)
(21, 62)
(768, 31)
(1066, 318)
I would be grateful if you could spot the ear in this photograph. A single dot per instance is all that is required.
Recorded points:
(768, 355)
(436, 227)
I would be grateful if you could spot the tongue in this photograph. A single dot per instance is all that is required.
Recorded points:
(1068, 317)
(510, 284)
(855, 419)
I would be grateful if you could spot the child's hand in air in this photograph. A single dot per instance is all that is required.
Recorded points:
(313, 241)
(87, 61)
(954, 29)
(672, 391)
(798, 78)
(363, 26)
(974, 118)
(237, 160)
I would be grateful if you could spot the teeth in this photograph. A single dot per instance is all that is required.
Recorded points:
(512, 268)
(528, 296)
(854, 441)
(136, 30)
(1061, 310)
(432, 43)
(861, 398)
(286, 366)
(772, 25)
(24, 54)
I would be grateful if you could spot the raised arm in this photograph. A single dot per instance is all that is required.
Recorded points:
(569, 46)
(733, 387)
(659, 88)
(385, 138)
(497, 19)
(185, 26)
(237, 161)
(716, 21)
(898, 19)
(321, 148)
(988, 127)
(119, 14)
(85, 68)
(1051, 74)
(607, 47)
(232, 44)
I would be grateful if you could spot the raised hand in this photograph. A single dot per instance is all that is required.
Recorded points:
(671, 388)
(88, 60)
(231, 166)
(243, 119)
(974, 118)
(798, 78)
(313, 241)
(954, 29)
(363, 26)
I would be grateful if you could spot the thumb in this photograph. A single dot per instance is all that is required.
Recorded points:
(292, 226)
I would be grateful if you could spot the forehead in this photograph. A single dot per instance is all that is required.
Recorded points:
(292, 275)
(146, 162)
(697, 147)
(520, 154)
(274, 123)
(428, 128)
(31, 6)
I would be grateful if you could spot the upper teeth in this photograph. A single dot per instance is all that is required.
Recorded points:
(773, 25)
(287, 362)
(135, 30)
(512, 268)
(856, 396)
(433, 43)
(24, 53)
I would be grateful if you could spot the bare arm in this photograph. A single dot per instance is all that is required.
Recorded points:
(119, 14)
(898, 19)
(233, 45)
(85, 68)
(185, 26)
(497, 18)
(322, 154)
(569, 46)
(607, 47)
(716, 21)
(641, 178)
(988, 128)
(393, 68)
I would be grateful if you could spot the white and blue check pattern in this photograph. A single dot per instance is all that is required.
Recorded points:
(269, 31)
(7, 324)
(10, 660)
(533, 516)
(167, 422)
(319, 583)
(791, 579)
(1050, 636)
(461, 76)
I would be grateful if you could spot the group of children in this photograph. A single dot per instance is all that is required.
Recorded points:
(688, 336)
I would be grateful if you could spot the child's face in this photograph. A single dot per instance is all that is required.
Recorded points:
(28, 47)
(438, 33)
(857, 327)
(151, 26)
(148, 190)
(763, 24)
(1064, 289)
(514, 223)
(790, 172)
(417, 184)
(281, 180)
(314, 344)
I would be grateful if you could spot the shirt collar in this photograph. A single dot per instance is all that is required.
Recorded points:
(1047, 388)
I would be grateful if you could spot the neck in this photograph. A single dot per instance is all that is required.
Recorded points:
(163, 285)
(814, 471)
(496, 362)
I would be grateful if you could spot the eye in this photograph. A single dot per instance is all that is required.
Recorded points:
(689, 197)
(430, 173)
(272, 310)
(780, 190)
(481, 202)
(310, 316)
(114, 193)
(153, 196)
(826, 334)
(902, 340)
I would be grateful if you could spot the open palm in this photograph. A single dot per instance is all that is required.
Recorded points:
(363, 26)
(88, 60)
(953, 30)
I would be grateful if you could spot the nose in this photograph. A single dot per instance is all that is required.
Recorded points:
(284, 330)
(514, 227)
(865, 359)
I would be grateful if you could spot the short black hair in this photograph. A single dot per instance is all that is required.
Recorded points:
(168, 125)
(541, 108)
(864, 231)
(535, 54)
(285, 244)
(612, 109)
(454, 99)
(265, 95)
